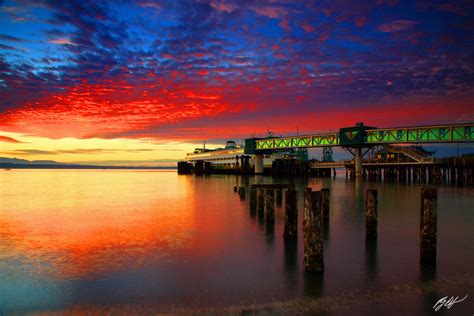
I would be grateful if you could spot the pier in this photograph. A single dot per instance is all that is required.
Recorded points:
(400, 162)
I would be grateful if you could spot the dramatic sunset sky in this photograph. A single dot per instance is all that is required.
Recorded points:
(144, 82)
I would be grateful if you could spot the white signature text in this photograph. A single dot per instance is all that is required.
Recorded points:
(447, 302)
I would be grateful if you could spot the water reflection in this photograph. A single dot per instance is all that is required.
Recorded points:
(291, 263)
(371, 259)
(269, 232)
(313, 284)
(326, 228)
(70, 238)
(429, 295)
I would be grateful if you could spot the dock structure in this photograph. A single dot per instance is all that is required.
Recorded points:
(408, 164)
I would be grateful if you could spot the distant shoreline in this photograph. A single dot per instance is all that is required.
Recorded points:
(51, 166)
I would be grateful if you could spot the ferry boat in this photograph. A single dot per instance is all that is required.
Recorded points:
(231, 157)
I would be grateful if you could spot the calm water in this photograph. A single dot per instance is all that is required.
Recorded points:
(74, 238)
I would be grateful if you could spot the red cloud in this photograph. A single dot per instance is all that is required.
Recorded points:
(111, 108)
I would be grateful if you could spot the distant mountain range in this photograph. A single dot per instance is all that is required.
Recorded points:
(15, 163)
(29, 162)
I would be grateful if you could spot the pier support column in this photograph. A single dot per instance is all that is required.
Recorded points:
(371, 215)
(358, 162)
(258, 164)
(313, 232)
(428, 223)
(291, 215)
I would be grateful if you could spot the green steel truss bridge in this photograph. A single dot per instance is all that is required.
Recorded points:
(355, 138)
(364, 136)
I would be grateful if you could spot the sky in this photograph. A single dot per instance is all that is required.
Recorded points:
(143, 82)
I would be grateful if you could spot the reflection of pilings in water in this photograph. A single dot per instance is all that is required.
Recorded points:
(291, 215)
(371, 215)
(313, 285)
(270, 206)
(359, 198)
(291, 262)
(241, 193)
(279, 197)
(429, 294)
(253, 201)
(313, 232)
(371, 258)
(261, 204)
(269, 232)
(325, 202)
(428, 223)
(325, 194)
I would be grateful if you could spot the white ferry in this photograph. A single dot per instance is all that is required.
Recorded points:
(229, 157)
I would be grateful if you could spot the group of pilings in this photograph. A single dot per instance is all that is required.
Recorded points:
(427, 173)
(316, 216)
(316, 219)
(242, 165)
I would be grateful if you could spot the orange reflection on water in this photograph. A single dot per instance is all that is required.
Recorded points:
(68, 224)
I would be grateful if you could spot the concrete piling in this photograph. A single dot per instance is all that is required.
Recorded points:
(313, 232)
(279, 197)
(291, 215)
(428, 226)
(270, 206)
(371, 215)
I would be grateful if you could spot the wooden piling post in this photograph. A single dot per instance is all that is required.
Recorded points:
(270, 206)
(325, 203)
(291, 215)
(371, 215)
(279, 197)
(428, 226)
(313, 233)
